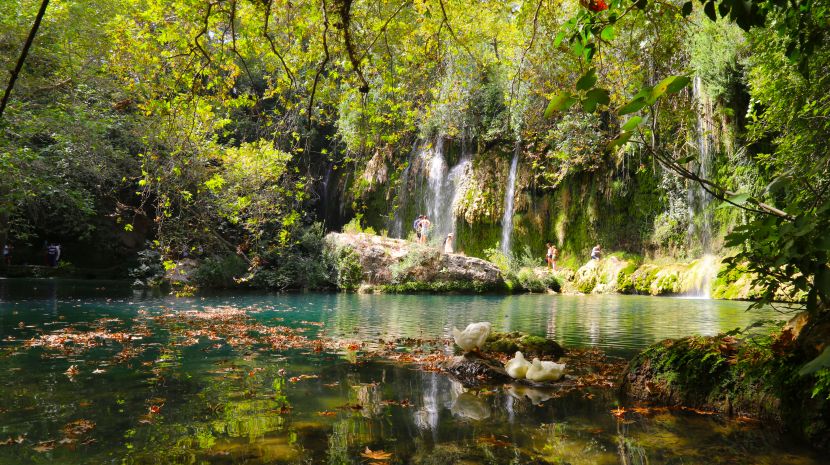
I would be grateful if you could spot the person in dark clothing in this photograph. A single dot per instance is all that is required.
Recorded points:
(53, 254)
(7, 254)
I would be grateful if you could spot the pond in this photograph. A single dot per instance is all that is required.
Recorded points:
(93, 373)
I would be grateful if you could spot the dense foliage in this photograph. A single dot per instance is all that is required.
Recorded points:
(227, 128)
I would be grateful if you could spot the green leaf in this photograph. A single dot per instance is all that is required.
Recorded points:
(559, 38)
(678, 84)
(816, 364)
(632, 123)
(608, 33)
(559, 102)
(739, 199)
(622, 139)
(660, 89)
(687, 9)
(632, 106)
(686, 159)
(594, 97)
(587, 81)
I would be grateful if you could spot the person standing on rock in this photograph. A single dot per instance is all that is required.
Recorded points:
(596, 252)
(553, 253)
(416, 225)
(548, 253)
(448, 247)
(425, 224)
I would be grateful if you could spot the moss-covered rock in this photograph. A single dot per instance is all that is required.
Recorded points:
(756, 377)
(530, 346)
(600, 276)
(395, 265)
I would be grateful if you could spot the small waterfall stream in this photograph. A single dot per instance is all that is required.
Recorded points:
(705, 269)
(699, 199)
(507, 219)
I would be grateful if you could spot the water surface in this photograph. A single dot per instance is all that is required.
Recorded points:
(179, 398)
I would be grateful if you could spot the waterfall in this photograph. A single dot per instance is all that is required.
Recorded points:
(704, 270)
(439, 210)
(398, 229)
(507, 219)
(700, 276)
(698, 198)
(430, 186)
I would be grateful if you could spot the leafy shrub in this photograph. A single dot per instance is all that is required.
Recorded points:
(348, 268)
(302, 264)
(220, 272)
(150, 271)
(529, 280)
(418, 256)
(354, 226)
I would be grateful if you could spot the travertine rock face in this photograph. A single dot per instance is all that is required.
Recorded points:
(387, 261)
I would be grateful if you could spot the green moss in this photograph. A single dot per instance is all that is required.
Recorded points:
(510, 343)
(734, 374)
(464, 287)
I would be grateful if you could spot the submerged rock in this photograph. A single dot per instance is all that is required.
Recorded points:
(473, 370)
(396, 265)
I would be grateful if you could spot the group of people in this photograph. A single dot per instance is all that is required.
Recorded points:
(51, 250)
(553, 254)
(422, 225)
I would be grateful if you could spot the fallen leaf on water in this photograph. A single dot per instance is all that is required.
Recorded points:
(78, 427)
(376, 454)
(44, 446)
(294, 379)
(72, 371)
(618, 412)
(327, 413)
(155, 409)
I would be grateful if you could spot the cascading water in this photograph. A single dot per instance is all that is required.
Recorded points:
(436, 194)
(700, 276)
(507, 219)
(398, 229)
(437, 210)
(700, 221)
(704, 270)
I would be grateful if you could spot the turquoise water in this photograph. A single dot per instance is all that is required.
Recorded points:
(167, 381)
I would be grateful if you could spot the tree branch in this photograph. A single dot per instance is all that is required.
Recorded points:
(23, 53)
(345, 19)
(446, 21)
(271, 41)
(323, 64)
(382, 30)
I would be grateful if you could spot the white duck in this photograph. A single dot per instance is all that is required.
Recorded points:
(545, 371)
(517, 366)
(473, 335)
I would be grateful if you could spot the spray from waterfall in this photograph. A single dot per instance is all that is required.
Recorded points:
(507, 219)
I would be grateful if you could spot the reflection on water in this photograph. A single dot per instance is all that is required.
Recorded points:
(210, 403)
